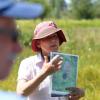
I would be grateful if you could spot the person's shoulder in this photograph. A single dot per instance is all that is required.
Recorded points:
(29, 59)
(10, 95)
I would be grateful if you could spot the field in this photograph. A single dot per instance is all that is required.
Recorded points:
(83, 39)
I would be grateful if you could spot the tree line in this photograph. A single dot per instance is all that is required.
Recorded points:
(77, 9)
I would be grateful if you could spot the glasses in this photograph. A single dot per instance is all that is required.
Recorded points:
(12, 33)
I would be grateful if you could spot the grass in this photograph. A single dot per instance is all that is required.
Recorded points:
(84, 40)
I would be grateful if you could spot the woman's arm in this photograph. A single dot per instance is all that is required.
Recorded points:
(27, 87)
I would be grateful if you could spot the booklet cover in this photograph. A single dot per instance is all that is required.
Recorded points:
(66, 76)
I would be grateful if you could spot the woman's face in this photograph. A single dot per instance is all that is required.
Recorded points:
(49, 44)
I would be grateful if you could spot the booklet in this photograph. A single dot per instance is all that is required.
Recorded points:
(66, 77)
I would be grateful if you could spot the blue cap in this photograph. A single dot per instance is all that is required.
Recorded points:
(4, 4)
(20, 10)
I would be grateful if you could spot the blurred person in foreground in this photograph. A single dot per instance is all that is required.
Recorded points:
(34, 71)
(9, 44)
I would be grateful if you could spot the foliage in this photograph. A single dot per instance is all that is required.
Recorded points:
(57, 7)
(79, 9)
(97, 9)
(82, 9)
(53, 8)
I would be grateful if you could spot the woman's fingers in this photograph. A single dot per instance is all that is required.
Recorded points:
(56, 60)
(75, 93)
(53, 65)
(73, 97)
(46, 59)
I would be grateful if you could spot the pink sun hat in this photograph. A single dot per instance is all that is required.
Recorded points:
(45, 29)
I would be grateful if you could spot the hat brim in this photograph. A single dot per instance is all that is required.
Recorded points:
(24, 10)
(61, 37)
(46, 33)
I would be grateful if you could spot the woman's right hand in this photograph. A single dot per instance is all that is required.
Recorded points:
(53, 65)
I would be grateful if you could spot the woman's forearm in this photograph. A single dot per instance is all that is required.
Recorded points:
(30, 86)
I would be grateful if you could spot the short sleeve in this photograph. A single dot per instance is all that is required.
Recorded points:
(25, 71)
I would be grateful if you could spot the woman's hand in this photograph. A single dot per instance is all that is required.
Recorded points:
(76, 93)
(52, 66)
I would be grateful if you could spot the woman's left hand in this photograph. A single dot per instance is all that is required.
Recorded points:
(76, 93)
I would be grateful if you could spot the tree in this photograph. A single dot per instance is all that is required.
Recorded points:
(53, 8)
(97, 8)
(58, 7)
(82, 9)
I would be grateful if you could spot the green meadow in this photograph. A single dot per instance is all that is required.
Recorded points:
(83, 39)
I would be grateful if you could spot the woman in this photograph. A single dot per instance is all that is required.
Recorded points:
(34, 72)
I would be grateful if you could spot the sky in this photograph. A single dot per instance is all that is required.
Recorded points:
(67, 1)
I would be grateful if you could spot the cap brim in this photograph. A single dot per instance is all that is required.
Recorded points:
(4, 4)
(24, 10)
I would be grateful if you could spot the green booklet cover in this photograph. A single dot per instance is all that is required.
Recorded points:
(66, 76)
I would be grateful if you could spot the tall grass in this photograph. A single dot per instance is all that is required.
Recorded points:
(83, 39)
